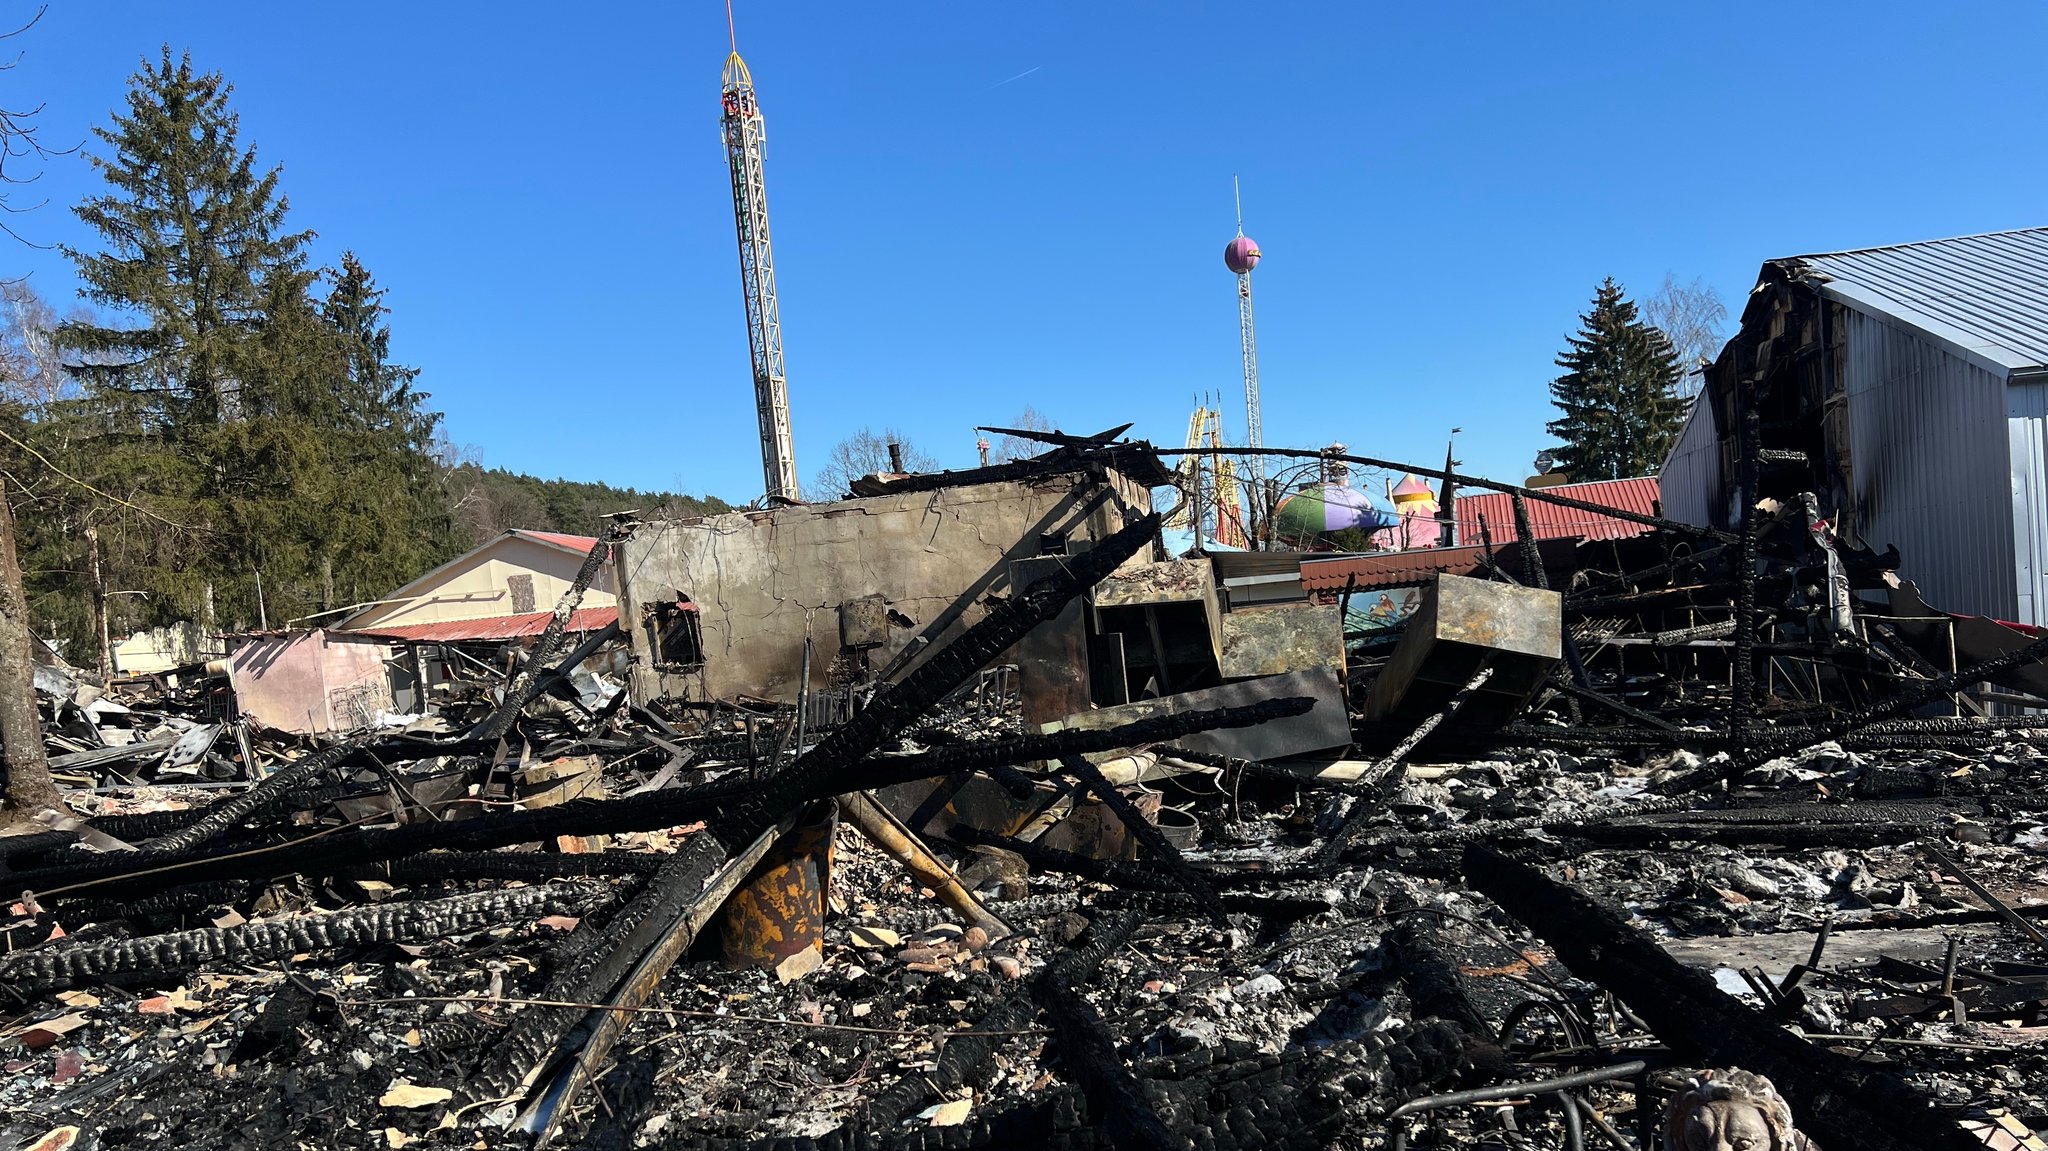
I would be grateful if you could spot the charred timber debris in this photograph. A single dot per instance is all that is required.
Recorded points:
(1594, 841)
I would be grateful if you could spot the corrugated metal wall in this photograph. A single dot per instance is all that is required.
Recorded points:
(2026, 469)
(1928, 449)
(1691, 480)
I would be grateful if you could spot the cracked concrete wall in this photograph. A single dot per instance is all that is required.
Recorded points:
(760, 578)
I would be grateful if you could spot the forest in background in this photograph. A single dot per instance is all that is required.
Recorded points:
(217, 431)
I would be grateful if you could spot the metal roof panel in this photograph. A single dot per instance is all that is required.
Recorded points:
(1985, 294)
(494, 627)
(1551, 521)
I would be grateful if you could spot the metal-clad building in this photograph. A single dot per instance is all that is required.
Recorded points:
(1908, 386)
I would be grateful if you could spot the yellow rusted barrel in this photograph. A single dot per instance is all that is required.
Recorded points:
(780, 909)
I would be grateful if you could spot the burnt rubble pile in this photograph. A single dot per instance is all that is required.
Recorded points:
(1620, 846)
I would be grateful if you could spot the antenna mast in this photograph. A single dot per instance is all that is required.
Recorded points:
(1241, 255)
(744, 137)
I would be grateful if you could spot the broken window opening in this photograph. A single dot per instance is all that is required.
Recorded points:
(677, 641)
(523, 600)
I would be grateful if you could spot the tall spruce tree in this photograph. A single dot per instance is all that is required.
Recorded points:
(1618, 393)
(199, 383)
(194, 233)
(391, 519)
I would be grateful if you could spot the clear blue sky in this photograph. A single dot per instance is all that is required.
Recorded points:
(979, 206)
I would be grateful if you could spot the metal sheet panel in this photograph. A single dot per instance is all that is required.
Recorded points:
(1692, 487)
(1548, 521)
(1268, 641)
(1929, 464)
(584, 619)
(1986, 296)
(2027, 472)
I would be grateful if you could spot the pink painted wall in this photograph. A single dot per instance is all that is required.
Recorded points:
(311, 682)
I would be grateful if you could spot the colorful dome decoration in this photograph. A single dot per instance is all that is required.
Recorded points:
(1411, 493)
(1416, 506)
(1307, 516)
(1241, 255)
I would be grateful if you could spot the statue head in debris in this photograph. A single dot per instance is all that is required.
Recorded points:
(1731, 1110)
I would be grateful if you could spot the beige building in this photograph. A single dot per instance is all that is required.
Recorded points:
(502, 589)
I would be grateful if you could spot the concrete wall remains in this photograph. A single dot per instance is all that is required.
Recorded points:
(160, 649)
(760, 581)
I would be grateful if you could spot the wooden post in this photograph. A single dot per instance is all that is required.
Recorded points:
(99, 603)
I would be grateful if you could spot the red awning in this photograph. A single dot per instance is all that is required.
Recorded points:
(494, 627)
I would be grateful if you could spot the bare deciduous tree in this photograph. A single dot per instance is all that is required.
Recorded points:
(1010, 448)
(864, 453)
(30, 372)
(1691, 316)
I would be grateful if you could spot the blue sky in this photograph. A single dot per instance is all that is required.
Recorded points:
(980, 206)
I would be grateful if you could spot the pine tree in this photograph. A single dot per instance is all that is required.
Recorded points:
(1618, 394)
(391, 518)
(194, 232)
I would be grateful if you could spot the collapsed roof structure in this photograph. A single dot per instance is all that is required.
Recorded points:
(958, 814)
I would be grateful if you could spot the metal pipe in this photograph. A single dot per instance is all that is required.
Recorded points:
(1512, 1090)
(1574, 1129)
(881, 828)
(1984, 893)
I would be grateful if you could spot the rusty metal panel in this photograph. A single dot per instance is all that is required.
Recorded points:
(1322, 727)
(1174, 581)
(1462, 625)
(1052, 658)
(1269, 641)
(864, 622)
(780, 909)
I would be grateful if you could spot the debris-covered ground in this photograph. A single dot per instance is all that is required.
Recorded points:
(1533, 924)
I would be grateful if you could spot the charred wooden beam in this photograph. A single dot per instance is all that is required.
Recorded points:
(56, 966)
(1856, 1105)
(552, 1096)
(829, 767)
(1162, 852)
(593, 967)
(1086, 1048)
(1905, 699)
(1333, 848)
(116, 878)
(223, 814)
(894, 839)
(527, 683)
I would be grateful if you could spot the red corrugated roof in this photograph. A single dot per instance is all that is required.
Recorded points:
(495, 626)
(1398, 569)
(560, 539)
(1550, 521)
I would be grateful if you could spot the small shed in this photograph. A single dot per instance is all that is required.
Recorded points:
(312, 682)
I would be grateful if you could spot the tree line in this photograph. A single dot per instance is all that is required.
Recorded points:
(222, 435)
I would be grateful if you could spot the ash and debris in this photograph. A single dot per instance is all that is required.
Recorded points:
(1811, 871)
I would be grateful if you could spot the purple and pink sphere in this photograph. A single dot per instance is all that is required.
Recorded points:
(1241, 255)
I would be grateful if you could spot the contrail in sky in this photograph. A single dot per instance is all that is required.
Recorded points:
(1017, 77)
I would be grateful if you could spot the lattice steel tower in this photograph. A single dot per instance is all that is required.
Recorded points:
(1241, 255)
(744, 136)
